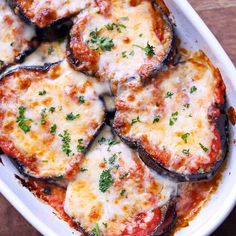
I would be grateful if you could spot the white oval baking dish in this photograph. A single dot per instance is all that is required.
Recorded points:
(194, 35)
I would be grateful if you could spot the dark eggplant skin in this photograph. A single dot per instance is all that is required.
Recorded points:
(20, 167)
(55, 30)
(168, 58)
(223, 127)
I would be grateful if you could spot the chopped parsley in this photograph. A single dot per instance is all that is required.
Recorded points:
(149, 50)
(131, 53)
(65, 138)
(1, 63)
(96, 231)
(22, 121)
(53, 129)
(193, 89)
(124, 175)
(71, 116)
(174, 118)
(205, 149)
(105, 181)
(80, 147)
(116, 26)
(83, 169)
(112, 159)
(124, 54)
(122, 192)
(52, 109)
(105, 224)
(140, 35)
(101, 140)
(136, 120)
(185, 137)
(156, 119)
(50, 50)
(169, 94)
(186, 152)
(100, 42)
(187, 105)
(47, 190)
(81, 99)
(111, 142)
(42, 93)
(201, 170)
(43, 116)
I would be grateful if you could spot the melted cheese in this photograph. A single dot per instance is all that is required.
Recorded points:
(15, 35)
(144, 190)
(44, 12)
(63, 88)
(135, 30)
(183, 123)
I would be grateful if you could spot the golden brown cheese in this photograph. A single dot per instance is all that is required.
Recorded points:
(48, 118)
(43, 12)
(116, 191)
(173, 117)
(15, 37)
(128, 39)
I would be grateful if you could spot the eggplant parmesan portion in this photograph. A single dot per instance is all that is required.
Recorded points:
(121, 39)
(178, 120)
(48, 14)
(49, 116)
(16, 39)
(115, 194)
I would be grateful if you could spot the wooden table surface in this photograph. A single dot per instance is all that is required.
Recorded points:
(220, 16)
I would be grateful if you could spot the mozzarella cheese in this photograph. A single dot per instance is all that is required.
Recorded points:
(68, 102)
(130, 28)
(135, 189)
(170, 116)
(15, 35)
(44, 12)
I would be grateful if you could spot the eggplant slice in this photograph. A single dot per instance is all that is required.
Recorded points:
(116, 194)
(120, 40)
(49, 116)
(16, 39)
(178, 120)
(48, 14)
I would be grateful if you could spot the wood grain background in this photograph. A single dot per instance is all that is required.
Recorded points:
(220, 16)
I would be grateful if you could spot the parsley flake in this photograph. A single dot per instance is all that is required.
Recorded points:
(193, 89)
(122, 192)
(186, 152)
(111, 142)
(42, 93)
(136, 120)
(149, 50)
(156, 119)
(101, 140)
(43, 116)
(185, 137)
(81, 99)
(52, 109)
(83, 169)
(96, 231)
(205, 149)
(80, 147)
(169, 94)
(53, 129)
(22, 121)
(71, 116)
(105, 181)
(65, 138)
(50, 50)
(174, 118)
(201, 170)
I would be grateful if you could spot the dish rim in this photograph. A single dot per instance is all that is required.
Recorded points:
(227, 64)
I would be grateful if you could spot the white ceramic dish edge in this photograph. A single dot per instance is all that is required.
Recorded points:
(29, 206)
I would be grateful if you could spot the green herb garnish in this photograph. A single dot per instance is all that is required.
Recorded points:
(81, 99)
(41, 93)
(156, 119)
(52, 109)
(83, 169)
(71, 116)
(136, 120)
(112, 159)
(185, 137)
(80, 147)
(169, 94)
(105, 181)
(65, 138)
(174, 118)
(50, 50)
(96, 231)
(122, 192)
(187, 105)
(101, 140)
(22, 121)
(124, 175)
(43, 116)
(193, 89)
(186, 152)
(116, 26)
(149, 50)
(53, 129)
(111, 142)
(205, 149)
(201, 170)
(47, 190)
